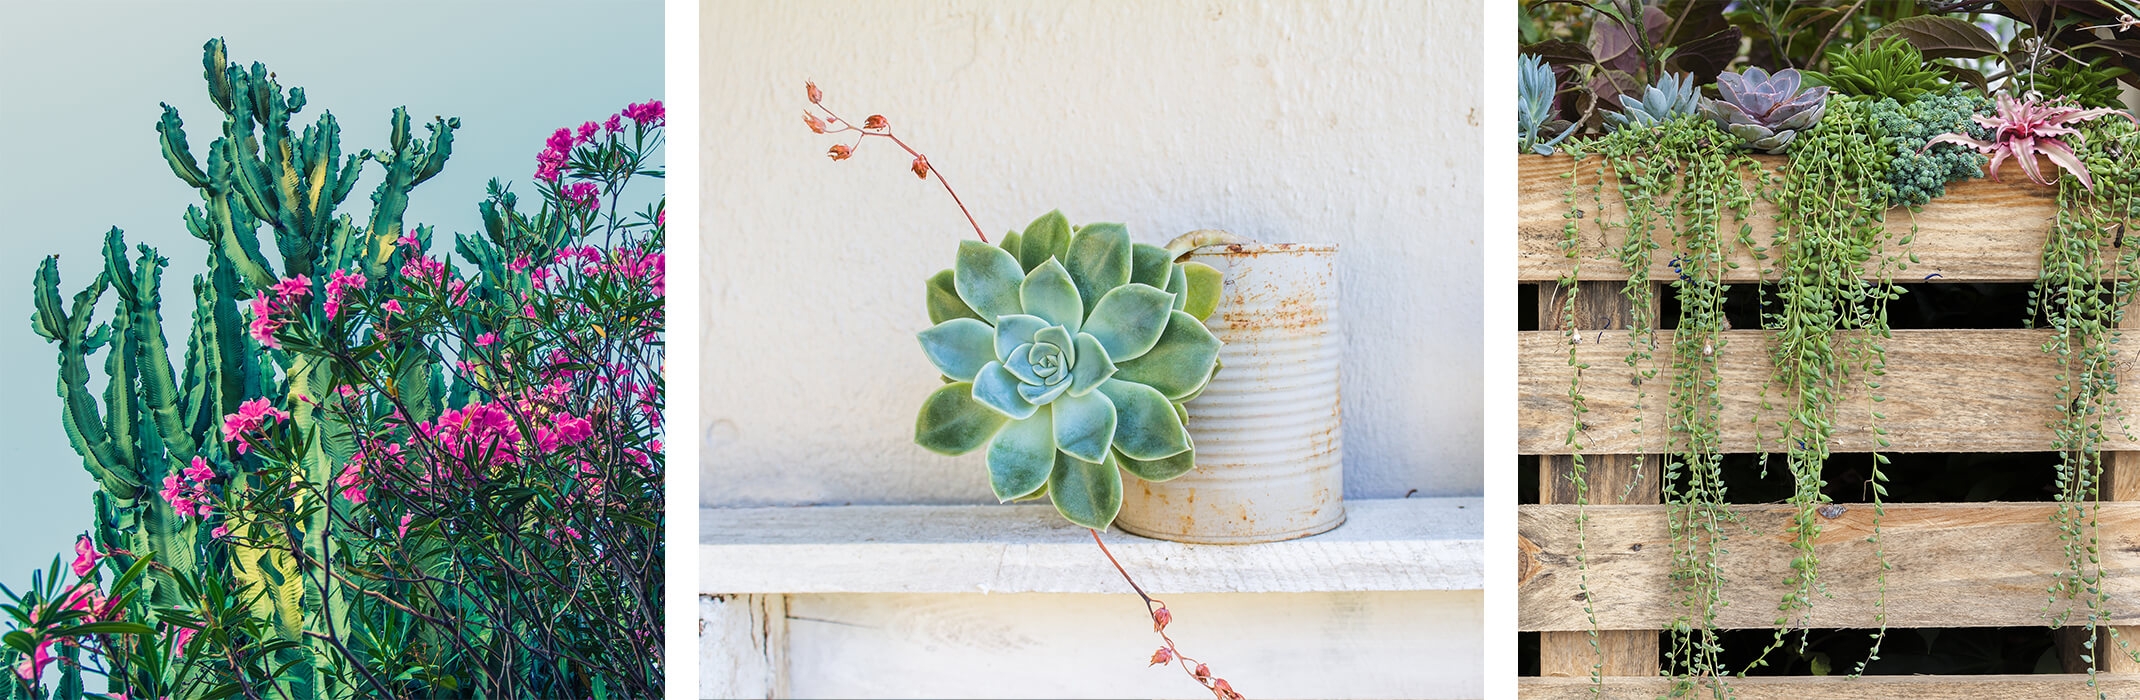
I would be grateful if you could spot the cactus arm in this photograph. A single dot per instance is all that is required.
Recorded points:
(408, 164)
(80, 419)
(225, 211)
(171, 134)
(159, 386)
(122, 414)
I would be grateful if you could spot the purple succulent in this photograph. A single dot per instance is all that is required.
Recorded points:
(1766, 110)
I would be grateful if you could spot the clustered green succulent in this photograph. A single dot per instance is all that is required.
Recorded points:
(1893, 69)
(1068, 353)
(1672, 97)
(1535, 88)
(2087, 84)
(1916, 174)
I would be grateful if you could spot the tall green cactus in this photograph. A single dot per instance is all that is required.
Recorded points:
(154, 419)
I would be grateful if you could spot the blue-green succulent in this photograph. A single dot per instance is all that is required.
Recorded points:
(1068, 354)
(1672, 97)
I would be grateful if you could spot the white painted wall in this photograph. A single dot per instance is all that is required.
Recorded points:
(1342, 122)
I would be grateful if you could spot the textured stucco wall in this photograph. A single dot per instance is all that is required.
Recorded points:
(1333, 122)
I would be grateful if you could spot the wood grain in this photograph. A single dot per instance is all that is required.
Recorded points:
(1955, 565)
(1867, 688)
(1946, 391)
(1981, 231)
(743, 646)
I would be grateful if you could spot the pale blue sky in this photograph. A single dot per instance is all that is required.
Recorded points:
(78, 153)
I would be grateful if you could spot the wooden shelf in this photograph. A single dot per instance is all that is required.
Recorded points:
(1419, 544)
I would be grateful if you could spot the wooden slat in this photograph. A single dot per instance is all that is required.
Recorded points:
(1866, 688)
(1608, 479)
(1981, 231)
(1955, 565)
(1946, 391)
(743, 646)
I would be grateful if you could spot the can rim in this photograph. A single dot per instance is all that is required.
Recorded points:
(1253, 248)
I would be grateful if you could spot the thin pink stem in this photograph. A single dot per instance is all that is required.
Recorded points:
(931, 165)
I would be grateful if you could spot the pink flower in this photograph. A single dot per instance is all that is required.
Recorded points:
(2025, 128)
(338, 285)
(647, 113)
(293, 287)
(588, 130)
(408, 240)
(85, 556)
(352, 481)
(220, 532)
(615, 123)
(33, 666)
(200, 472)
(581, 194)
(252, 416)
(403, 531)
(185, 634)
(392, 306)
(487, 338)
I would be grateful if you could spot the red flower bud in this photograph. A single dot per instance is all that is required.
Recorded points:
(875, 121)
(815, 94)
(1160, 618)
(1202, 672)
(817, 126)
(840, 152)
(1162, 656)
(1225, 690)
(921, 167)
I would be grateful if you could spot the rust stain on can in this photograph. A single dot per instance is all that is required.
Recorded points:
(1269, 439)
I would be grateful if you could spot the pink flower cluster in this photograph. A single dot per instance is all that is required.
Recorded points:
(251, 418)
(338, 285)
(557, 150)
(273, 302)
(85, 556)
(581, 194)
(189, 496)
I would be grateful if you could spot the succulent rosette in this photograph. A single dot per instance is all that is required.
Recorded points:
(1068, 354)
(1766, 110)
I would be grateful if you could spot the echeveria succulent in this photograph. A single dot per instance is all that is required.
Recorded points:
(1672, 97)
(1068, 353)
(1535, 91)
(1766, 111)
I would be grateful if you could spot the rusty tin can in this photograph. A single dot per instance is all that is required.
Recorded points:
(1269, 443)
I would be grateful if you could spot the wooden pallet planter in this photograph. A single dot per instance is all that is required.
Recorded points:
(1955, 564)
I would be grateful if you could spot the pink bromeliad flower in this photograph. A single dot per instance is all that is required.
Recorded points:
(2023, 129)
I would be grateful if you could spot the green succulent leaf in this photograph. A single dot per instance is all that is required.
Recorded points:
(1084, 425)
(997, 389)
(1099, 261)
(1129, 320)
(1178, 285)
(959, 347)
(1060, 338)
(1022, 456)
(1043, 394)
(1150, 265)
(987, 279)
(1146, 427)
(1049, 293)
(953, 423)
(1205, 282)
(1016, 330)
(1011, 243)
(1093, 367)
(1180, 363)
(1161, 469)
(944, 301)
(1087, 493)
(1047, 237)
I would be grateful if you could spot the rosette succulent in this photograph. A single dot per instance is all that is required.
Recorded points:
(1766, 110)
(1068, 354)
(1535, 91)
(1672, 97)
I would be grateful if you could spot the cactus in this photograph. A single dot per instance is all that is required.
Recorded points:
(155, 419)
(1068, 354)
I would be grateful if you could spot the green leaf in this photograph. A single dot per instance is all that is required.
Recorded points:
(109, 628)
(1178, 285)
(1130, 320)
(1060, 338)
(944, 301)
(1180, 363)
(1099, 261)
(1086, 493)
(1084, 426)
(1015, 330)
(1010, 243)
(987, 279)
(998, 389)
(1049, 294)
(1146, 427)
(1021, 456)
(1047, 237)
(1150, 265)
(959, 347)
(1160, 469)
(1205, 283)
(1093, 366)
(952, 423)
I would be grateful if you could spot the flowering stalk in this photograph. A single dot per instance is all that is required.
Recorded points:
(877, 125)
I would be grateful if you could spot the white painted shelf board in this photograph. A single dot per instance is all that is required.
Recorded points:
(1417, 544)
